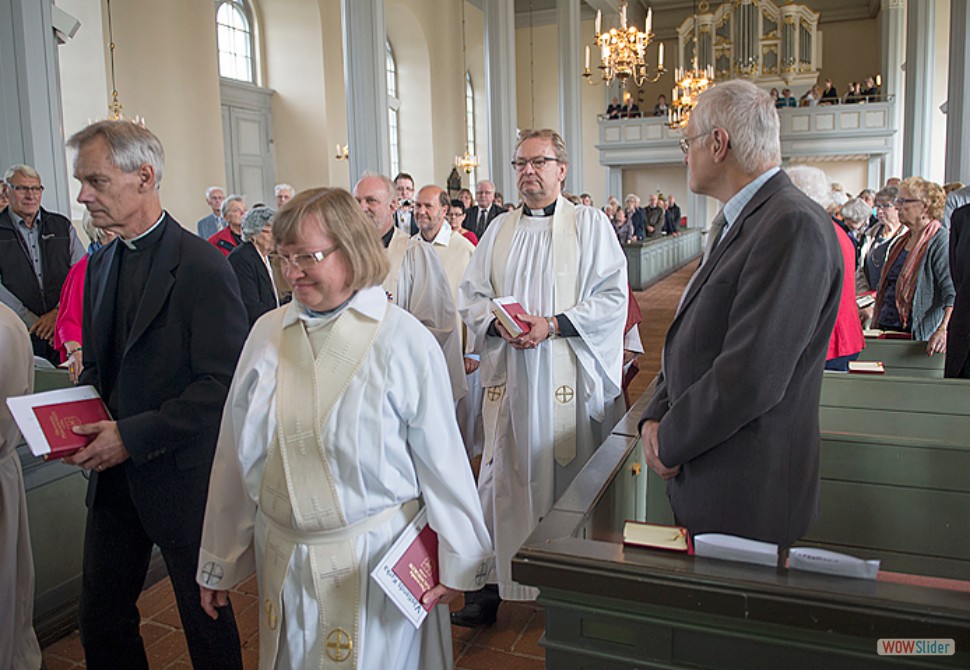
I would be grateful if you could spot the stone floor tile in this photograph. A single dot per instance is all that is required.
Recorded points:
(55, 662)
(167, 650)
(69, 648)
(528, 643)
(482, 658)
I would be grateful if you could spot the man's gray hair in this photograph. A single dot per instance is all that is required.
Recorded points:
(748, 115)
(279, 188)
(856, 210)
(558, 146)
(812, 182)
(228, 201)
(389, 187)
(209, 191)
(485, 181)
(634, 197)
(131, 145)
(22, 170)
(257, 219)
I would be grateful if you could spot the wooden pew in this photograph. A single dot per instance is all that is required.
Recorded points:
(894, 464)
(903, 358)
(611, 607)
(649, 261)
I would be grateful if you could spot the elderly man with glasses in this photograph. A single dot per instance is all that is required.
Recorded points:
(37, 248)
(733, 423)
(549, 393)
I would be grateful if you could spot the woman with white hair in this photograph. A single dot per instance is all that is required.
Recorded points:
(250, 262)
(847, 340)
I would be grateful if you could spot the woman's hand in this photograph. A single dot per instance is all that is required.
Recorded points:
(936, 343)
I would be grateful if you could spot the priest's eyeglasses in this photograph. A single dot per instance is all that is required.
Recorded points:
(537, 163)
(305, 262)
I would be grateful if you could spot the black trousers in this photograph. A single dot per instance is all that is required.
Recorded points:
(117, 551)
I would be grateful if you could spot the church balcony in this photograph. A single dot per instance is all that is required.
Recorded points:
(860, 131)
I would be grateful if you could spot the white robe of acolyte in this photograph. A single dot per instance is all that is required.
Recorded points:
(520, 479)
(418, 283)
(391, 437)
(19, 649)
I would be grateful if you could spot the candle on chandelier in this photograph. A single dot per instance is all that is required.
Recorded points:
(587, 57)
(649, 19)
(661, 59)
(599, 16)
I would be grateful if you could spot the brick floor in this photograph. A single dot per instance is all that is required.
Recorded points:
(513, 643)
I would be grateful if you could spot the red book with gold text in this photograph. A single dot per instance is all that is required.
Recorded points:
(508, 311)
(418, 566)
(47, 419)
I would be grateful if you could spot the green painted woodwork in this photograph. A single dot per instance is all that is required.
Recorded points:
(651, 260)
(903, 358)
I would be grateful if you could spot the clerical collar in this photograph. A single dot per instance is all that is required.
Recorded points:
(548, 210)
(314, 314)
(146, 239)
(386, 237)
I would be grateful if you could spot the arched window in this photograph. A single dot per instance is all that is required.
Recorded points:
(234, 38)
(393, 111)
(470, 123)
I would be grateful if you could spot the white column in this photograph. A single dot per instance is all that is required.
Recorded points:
(697, 211)
(570, 102)
(500, 92)
(957, 121)
(874, 176)
(31, 124)
(893, 83)
(920, 27)
(365, 77)
(614, 183)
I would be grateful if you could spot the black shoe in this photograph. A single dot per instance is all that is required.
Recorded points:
(474, 615)
(481, 608)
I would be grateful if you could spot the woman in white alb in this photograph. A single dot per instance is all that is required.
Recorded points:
(339, 421)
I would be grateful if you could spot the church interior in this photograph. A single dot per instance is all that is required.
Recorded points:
(245, 94)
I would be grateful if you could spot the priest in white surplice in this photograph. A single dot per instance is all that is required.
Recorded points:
(548, 391)
(416, 281)
(18, 643)
(339, 423)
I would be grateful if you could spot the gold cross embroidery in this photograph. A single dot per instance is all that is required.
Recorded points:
(339, 645)
(494, 393)
(271, 619)
(564, 394)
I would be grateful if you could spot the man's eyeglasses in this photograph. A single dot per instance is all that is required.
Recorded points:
(537, 163)
(26, 189)
(305, 262)
(685, 141)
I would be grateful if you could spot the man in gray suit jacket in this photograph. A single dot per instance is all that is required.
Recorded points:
(733, 424)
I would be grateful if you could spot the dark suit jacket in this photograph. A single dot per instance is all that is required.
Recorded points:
(255, 286)
(738, 398)
(471, 218)
(173, 378)
(958, 330)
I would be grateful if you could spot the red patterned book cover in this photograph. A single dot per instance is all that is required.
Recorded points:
(57, 420)
(418, 566)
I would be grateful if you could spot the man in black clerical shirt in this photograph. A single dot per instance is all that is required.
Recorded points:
(163, 328)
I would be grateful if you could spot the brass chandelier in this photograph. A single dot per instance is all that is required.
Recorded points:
(623, 52)
(688, 84)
